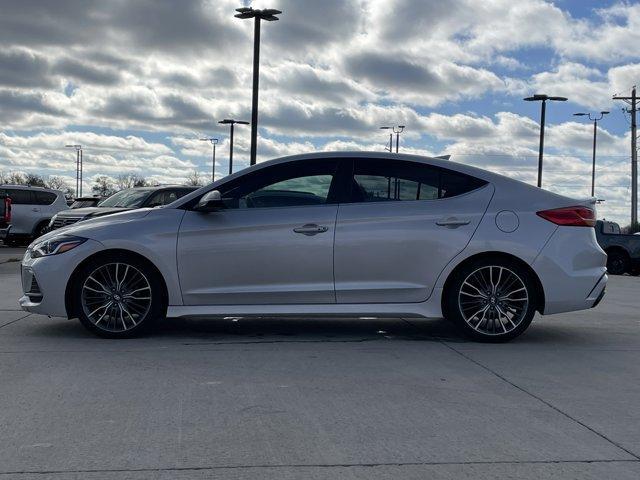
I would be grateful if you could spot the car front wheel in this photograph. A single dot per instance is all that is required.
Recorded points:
(118, 297)
(491, 300)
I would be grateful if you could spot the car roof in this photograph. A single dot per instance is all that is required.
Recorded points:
(486, 175)
(29, 187)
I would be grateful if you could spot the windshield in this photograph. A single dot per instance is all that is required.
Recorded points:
(130, 198)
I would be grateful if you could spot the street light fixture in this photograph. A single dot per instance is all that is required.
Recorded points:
(543, 99)
(268, 14)
(397, 130)
(231, 123)
(595, 120)
(213, 142)
(78, 149)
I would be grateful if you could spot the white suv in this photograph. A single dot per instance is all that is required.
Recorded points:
(31, 210)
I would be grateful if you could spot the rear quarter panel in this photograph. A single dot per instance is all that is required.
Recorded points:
(531, 234)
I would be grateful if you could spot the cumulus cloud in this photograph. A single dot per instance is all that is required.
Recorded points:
(156, 78)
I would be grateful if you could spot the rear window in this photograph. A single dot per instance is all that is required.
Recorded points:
(611, 228)
(378, 180)
(44, 198)
(18, 196)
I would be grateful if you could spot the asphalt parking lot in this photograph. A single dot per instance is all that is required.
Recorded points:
(320, 399)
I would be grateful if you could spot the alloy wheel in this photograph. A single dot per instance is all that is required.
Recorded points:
(116, 297)
(493, 300)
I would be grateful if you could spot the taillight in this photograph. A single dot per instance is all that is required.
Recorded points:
(570, 216)
(7, 210)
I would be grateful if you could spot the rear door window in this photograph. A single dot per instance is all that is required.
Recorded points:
(380, 180)
(18, 196)
(44, 198)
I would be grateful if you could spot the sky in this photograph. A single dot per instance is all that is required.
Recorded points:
(138, 83)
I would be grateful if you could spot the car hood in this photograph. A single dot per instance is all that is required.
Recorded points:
(89, 228)
(89, 212)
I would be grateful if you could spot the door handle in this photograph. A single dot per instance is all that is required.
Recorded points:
(310, 229)
(35, 209)
(452, 222)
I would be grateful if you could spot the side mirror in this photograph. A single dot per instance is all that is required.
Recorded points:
(210, 202)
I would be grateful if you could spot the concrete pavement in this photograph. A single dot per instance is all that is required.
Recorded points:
(321, 398)
(10, 254)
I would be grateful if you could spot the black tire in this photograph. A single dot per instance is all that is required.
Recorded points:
(121, 320)
(502, 315)
(617, 263)
(41, 229)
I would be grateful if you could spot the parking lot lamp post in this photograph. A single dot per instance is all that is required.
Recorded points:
(543, 99)
(398, 132)
(390, 147)
(231, 123)
(268, 14)
(213, 142)
(595, 120)
(78, 149)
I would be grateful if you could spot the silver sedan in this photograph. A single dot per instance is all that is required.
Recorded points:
(357, 234)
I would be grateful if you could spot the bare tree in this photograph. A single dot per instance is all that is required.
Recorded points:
(56, 183)
(60, 183)
(34, 180)
(13, 178)
(130, 180)
(103, 186)
(194, 179)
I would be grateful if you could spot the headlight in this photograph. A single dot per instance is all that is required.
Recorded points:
(56, 245)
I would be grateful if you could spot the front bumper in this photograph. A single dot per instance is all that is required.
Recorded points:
(4, 232)
(51, 275)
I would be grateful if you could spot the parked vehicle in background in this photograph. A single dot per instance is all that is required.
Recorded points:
(358, 234)
(83, 202)
(623, 250)
(127, 199)
(31, 210)
(5, 216)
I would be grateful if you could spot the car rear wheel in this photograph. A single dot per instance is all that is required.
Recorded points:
(118, 297)
(617, 263)
(491, 300)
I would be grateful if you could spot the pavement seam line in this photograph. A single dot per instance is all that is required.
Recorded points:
(316, 465)
(14, 321)
(542, 400)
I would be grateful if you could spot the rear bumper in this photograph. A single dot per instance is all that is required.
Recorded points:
(572, 270)
(4, 232)
(602, 287)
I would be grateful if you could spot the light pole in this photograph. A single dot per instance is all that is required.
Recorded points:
(268, 14)
(231, 123)
(213, 142)
(595, 131)
(543, 99)
(390, 147)
(78, 149)
(399, 130)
